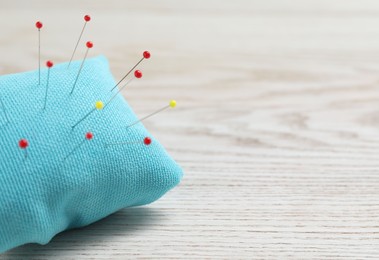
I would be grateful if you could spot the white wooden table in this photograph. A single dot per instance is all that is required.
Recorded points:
(277, 126)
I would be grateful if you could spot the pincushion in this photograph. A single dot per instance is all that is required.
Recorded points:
(46, 192)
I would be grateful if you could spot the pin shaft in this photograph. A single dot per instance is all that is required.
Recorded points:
(80, 70)
(39, 56)
(76, 46)
(81, 120)
(122, 143)
(146, 141)
(110, 100)
(146, 117)
(47, 88)
(74, 150)
(127, 74)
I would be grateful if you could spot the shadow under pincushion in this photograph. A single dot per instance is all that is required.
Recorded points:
(44, 194)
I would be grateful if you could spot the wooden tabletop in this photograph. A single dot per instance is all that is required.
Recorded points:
(277, 125)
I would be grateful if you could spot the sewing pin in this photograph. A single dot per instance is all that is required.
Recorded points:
(39, 25)
(87, 18)
(89, 46)
(146, 141)
(137, 74)
(49, 65)
(88, 136)
(172, 104)
(145, 55)
(23, 144)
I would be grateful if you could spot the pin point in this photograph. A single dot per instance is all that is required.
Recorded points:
(145, 55)
(146, 141)
(49, 65)
(87, 18)
(89, 46)
(99, 105)
(88, 136)
(39, 25)
(172, 104)
(4, 110)
(137, 74)
(23, 144)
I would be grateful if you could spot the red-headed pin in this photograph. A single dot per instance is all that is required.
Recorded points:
(88, 136)
(87, 18)
(39, 25)
(49, 65)
(137, 74)
(172, 104)
(89, 45)
(145, 55)
(23, 144)
(146, 141)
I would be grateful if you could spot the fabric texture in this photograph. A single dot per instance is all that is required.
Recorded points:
(43, 194)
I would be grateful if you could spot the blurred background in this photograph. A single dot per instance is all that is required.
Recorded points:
(277, 125)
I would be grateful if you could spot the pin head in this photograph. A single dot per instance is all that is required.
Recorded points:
(23, 143)
(147, 141)
(39, 25)
(87, 18)
(172, 103)
(89, 45)
(138, 74)
(49, 64)
(89, 135)
(99, 105)
(146, 54)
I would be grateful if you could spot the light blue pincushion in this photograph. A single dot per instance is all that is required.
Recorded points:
(44, 194)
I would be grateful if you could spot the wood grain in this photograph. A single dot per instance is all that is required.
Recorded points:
(277, 127)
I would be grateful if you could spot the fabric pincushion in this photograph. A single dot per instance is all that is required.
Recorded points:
(44, 194)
